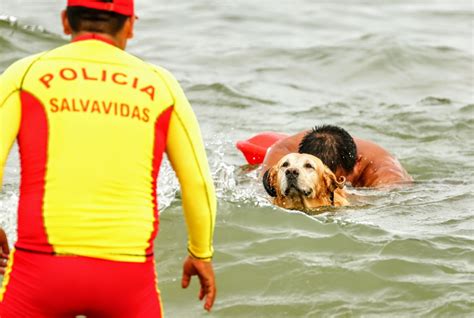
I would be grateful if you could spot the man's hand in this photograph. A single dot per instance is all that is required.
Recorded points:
(4, 251)
(205, 274)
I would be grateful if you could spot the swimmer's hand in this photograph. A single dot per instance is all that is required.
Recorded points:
(4, 251)
(205, 274)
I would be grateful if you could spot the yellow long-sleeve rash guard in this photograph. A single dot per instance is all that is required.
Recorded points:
(92, 123)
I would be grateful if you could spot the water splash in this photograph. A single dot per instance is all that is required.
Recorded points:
(15, 24)
(11, 20)
(168, 185)
(8, 207)
(234, 183)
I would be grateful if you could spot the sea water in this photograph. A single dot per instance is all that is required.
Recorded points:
(399, 73)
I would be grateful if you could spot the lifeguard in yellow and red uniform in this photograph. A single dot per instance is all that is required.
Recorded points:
(92, 123)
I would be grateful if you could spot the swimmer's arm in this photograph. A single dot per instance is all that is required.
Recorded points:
(377, 168)
(187, 155)
(280, 149)
(389, 177)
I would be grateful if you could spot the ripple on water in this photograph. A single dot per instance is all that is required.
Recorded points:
(8, 207)
(18, 39)
(403, 253)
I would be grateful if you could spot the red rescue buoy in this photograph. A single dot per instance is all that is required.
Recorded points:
(255, 148)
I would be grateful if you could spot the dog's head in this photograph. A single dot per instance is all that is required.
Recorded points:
(303, 178)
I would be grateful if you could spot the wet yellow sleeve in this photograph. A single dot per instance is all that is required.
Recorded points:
(10, 107)
(187, 155)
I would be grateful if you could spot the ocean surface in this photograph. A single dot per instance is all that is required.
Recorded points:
(396, 72)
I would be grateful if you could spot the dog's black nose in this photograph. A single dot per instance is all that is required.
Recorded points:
(292, 172)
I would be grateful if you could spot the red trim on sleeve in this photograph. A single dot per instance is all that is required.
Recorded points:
(161, 134)
(33, 145)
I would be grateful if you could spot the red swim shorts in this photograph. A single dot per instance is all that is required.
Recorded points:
(42, 285)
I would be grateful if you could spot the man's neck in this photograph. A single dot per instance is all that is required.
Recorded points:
(354, 176)
(99, 36)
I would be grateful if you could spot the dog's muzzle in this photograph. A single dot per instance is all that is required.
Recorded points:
(292, 183)
(292, 173)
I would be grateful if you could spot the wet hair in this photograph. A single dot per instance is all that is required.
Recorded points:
(332, 144)
(96, 21)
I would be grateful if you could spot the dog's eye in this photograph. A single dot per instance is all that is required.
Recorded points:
(308, 165)
(285, 164)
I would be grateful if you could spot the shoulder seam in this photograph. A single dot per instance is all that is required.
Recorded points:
(166, 84)
(29, 68)
(22, 79)
(8, 96)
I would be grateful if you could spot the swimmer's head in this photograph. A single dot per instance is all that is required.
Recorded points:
(333, 145)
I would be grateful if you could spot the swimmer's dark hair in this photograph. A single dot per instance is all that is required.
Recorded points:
(332, 144)
(96, 21)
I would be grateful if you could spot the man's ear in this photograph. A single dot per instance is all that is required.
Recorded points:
(269, 181)
(130, 27)
(66, 26)
(356, 169)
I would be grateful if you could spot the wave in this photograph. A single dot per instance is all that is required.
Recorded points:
(224, 96)
(18, 40)
(426, 121)
(369, 60)
(349, 263)
(13, 24)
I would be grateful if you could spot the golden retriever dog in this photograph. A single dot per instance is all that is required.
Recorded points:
(303, 182)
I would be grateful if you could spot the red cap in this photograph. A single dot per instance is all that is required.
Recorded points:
(124, 7)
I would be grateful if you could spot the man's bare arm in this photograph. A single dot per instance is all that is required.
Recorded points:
(376, 167)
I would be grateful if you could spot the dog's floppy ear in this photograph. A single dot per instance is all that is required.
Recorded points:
(268, 181)
(332, 182)
(341, 182)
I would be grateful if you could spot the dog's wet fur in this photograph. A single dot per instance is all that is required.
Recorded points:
(303, 182)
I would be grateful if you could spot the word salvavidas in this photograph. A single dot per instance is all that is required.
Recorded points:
(80, 105)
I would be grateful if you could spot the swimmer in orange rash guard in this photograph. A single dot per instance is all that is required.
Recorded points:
(92, 123)
(362, 162)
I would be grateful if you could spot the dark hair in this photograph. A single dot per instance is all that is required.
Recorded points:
(97, 21)
(332, 144)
